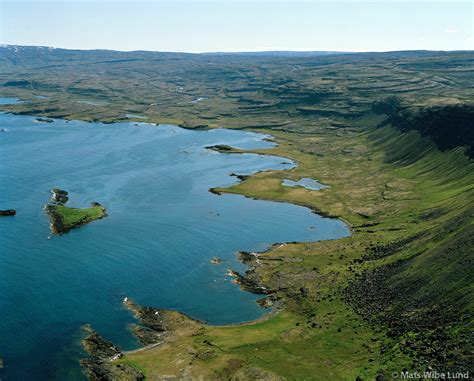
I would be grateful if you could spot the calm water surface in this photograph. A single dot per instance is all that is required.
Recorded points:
(155, 246)
(304, 182)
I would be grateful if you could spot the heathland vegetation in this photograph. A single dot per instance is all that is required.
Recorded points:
(391, 134)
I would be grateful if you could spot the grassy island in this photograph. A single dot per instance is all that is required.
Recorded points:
(64, 218)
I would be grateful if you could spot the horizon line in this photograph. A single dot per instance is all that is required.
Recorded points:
(328, 51)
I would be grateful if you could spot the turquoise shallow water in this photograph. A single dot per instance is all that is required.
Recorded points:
(155, 246)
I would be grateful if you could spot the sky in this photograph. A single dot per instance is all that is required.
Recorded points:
(239, 25)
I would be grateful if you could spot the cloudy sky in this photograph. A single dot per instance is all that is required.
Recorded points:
(238, 25)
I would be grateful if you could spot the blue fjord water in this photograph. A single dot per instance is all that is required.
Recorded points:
(155, 246)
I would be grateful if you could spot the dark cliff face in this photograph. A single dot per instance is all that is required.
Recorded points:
(448, 126)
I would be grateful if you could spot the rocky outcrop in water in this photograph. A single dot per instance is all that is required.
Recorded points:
(59, 196)
(157, 324)
(240, 177)
(7, 212)
(250, 281)
(220, 148)
(97, 346)
(215, 191)
(44, 120)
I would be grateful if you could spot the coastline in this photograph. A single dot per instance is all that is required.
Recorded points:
(249, 281)
(243, 177)
(275, 310)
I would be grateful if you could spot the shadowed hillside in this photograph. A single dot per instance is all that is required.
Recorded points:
(448, 126)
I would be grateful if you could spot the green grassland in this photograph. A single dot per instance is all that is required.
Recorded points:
(64, 218)
(397, 294)
(72, 216)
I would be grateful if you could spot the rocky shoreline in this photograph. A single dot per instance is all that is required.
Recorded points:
(100, 363)
(251, 280)
(220, 148)
(240, 177)
(215, 191)
(155, 323)
(158, 326)
(155, 327)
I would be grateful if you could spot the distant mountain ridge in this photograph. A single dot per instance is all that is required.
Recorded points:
(262, 53)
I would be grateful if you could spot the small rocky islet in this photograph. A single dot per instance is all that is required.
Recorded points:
(63, 218)
(44, 120)
(7, 212)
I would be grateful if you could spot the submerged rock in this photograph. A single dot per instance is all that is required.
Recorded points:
(216, 261)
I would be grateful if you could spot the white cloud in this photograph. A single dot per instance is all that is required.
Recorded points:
(450, 30)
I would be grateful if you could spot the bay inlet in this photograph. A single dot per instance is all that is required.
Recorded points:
(163, 228)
